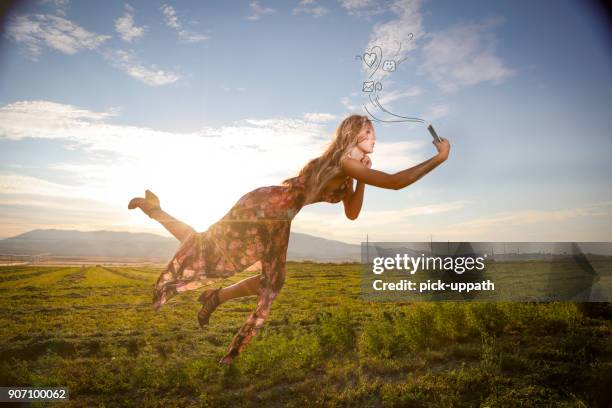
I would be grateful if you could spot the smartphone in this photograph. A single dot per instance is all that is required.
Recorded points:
(433, 133)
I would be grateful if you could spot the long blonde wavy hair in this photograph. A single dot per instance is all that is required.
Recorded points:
(319, 171)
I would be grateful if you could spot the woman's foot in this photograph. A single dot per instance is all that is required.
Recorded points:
(229, 357)
(152, 198)
(147, 204)
(210, 301)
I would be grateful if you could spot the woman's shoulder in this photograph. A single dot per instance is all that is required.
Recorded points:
(299, 180)
(344, 158)
(348, 163)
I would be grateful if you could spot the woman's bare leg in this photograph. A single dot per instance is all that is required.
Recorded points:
(245, 287)
(179, 229)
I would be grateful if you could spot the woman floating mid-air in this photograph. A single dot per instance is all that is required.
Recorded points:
(255, 232)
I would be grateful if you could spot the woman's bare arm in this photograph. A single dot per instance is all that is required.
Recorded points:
(353, 168)
(353, 201)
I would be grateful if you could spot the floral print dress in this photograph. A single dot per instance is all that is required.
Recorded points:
(255, 229)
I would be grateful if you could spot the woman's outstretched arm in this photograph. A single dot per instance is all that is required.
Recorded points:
(399, 180)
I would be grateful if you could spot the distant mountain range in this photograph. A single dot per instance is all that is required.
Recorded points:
(115, 244)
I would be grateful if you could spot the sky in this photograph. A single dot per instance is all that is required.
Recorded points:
(203, 101)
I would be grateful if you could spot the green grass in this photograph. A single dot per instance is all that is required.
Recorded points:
(94, 331)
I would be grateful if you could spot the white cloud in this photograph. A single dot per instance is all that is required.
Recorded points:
(172, 21)
(310, 7)
(534, 225)
(356, 4)
(258, 11)
(319, 117)
(234, 88)
(57, 3)
(386, 98)
(417, 223)
(32, 203)
(459, 56)
(436, 112)
(349, 104)
(22, 184)
(38, 30)
(398, 155)
(129, 63)
(44, 119)
(51, 120)
(525, 217)
(397, 37)
(273, 148)
(60, 5)
(364, 8)
(464, 55)
(89, 130)
(392, 216)
(126, 28)
(171, 18)
(392, 225)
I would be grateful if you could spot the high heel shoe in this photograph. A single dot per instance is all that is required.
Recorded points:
(147, 204)
(210, 301)
(152, 198)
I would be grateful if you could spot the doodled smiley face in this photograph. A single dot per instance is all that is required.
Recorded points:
(389, 65)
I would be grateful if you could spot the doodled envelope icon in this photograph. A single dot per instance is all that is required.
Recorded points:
(368, 86)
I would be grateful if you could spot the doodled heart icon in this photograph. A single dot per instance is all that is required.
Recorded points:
(372, 59)
(369, 58)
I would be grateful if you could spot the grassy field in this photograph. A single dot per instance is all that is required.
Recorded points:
(93, 330)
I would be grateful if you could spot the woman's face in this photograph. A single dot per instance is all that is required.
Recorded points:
(366, 139)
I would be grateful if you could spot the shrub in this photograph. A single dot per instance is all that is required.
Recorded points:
(337, 332)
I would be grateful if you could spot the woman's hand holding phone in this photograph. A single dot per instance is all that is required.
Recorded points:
(443, 148)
